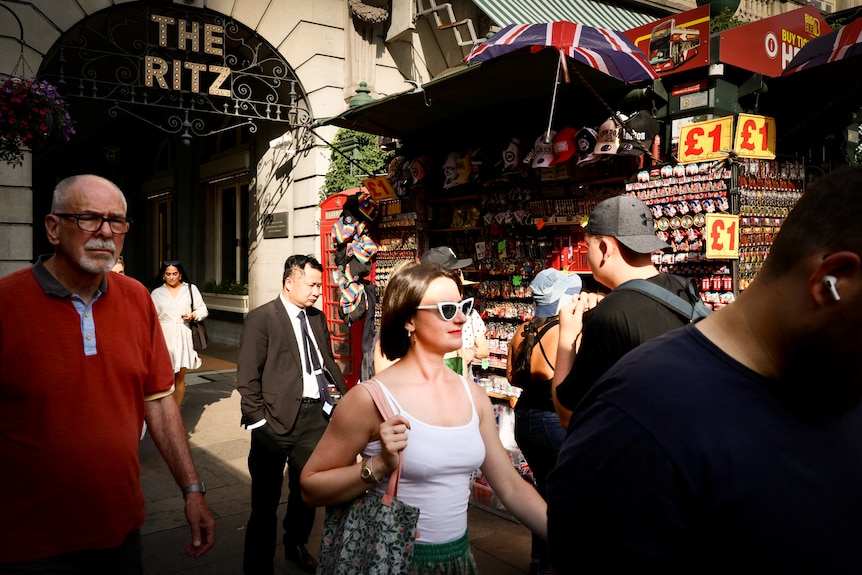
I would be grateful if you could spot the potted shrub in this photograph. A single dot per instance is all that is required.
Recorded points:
(226, 296)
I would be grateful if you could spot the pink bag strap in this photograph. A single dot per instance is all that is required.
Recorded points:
(374, 388)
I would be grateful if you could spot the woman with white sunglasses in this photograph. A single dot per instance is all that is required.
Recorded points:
(444, 427)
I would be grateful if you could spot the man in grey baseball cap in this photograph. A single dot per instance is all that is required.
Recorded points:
(444, 257)
(628, 220)
(620, 237)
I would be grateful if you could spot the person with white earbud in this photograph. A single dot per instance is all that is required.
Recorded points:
(736, 440)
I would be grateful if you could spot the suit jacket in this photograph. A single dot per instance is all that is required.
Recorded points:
(269, 367)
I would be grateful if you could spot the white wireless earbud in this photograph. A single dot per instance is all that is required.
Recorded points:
(829, 282)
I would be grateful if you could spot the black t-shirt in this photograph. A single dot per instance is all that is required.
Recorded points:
(621, 322)
(685, 461)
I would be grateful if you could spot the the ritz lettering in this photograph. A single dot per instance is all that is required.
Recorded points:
(170, 75)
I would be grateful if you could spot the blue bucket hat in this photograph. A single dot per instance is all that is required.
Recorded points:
(549, 286)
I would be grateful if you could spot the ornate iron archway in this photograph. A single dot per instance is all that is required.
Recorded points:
(190, 72)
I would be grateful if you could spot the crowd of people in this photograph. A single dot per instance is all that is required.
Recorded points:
(658, 444)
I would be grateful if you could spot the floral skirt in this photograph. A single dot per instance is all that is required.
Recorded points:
(452, 558)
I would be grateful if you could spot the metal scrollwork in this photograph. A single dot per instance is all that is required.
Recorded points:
(135, 56)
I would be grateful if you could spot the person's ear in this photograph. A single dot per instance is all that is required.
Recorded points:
(835, 277)
(607, 247)
(52, 229)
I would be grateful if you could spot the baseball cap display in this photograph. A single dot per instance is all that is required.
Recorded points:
(608, 137)
(457, 169)
(544, 152)
(638, 134)
(464, 167)
(450, 171)
(512, 155)
(549, 286)
(444, 257)
(628, 220)
(564, 145)
(586, 140)
(417, 169)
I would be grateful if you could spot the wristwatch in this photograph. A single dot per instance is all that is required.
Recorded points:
(194, 488)
(367, 472)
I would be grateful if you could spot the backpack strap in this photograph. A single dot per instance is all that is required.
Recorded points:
(691, 311)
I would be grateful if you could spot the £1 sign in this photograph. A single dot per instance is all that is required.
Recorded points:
(722, 236)
(755, 137)
(704, 141)
(379, 188)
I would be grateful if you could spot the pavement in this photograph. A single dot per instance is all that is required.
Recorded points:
(220, 447)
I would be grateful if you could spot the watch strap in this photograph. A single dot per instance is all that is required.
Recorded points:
(194, 488)
(367, 473)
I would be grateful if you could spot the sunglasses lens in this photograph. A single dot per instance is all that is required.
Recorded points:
(448, 310)
(467, 306)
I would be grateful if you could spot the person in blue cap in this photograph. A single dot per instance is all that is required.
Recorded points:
(532, 355)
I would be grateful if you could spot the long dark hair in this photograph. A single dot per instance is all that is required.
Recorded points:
(531, 337)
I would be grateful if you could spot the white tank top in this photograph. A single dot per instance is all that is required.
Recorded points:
(435, 472)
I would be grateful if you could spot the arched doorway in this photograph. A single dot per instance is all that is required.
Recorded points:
(176, 105)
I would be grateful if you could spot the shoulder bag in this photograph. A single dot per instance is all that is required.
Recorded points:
(374, 534)
(199, 330)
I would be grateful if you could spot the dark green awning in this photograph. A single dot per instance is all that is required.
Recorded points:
(503, 96)
(589, 12)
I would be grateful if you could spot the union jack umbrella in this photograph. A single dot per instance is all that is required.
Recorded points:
(832, 47)
(608, 51)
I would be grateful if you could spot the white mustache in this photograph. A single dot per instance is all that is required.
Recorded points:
(97, 244)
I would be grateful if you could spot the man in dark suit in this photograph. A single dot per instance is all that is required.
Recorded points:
(286, 405)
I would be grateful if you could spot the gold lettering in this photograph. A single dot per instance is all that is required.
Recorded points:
(216, 87)
(163, 27)
(155, 68)
(210, 39)
(178, 68)
(196, 77)
(183, 36)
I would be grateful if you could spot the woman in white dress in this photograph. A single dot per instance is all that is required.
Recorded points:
(173, 301)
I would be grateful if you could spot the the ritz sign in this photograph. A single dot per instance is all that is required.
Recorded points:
(191, 37)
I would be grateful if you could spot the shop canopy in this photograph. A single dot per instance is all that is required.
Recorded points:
(497, 98)
(590, 12)
(821, 88)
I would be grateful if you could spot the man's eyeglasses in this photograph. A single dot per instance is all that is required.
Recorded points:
(448, 309)
(93, 222)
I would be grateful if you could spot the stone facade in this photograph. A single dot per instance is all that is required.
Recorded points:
(331, 45)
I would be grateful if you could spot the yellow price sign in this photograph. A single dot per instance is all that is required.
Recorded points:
(755, 137)
(722, 237)
(704, 141)
(379, 188)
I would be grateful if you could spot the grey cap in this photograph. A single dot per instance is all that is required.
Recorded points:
(628, 220)
(444, 257)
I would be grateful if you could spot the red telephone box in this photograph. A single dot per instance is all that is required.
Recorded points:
(346, 340)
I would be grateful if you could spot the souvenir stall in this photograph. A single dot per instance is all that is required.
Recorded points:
(504, 173)
(505, 176)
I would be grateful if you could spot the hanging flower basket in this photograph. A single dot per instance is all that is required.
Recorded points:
(33, 114)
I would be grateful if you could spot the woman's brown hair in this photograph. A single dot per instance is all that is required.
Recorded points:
(403, 294)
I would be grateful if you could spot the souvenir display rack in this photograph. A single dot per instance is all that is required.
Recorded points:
(767, 193)
(679, 198)
(398, 241)
(761, 192)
